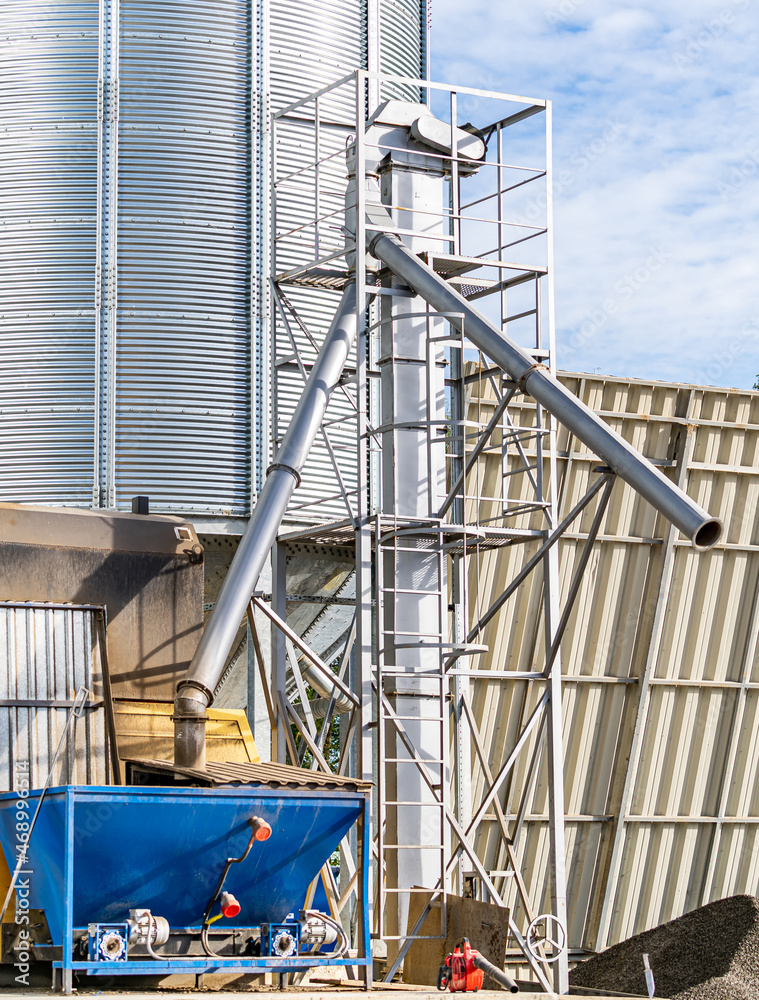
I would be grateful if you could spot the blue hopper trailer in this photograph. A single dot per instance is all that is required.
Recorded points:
(184, 870)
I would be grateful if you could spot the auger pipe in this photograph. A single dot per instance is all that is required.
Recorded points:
(195, 691)
(703, 530)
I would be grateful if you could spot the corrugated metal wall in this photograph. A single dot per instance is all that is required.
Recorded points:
(661, 671)
(47, 654)
(403, 40)
(48, 207)
(333, 38)
(126, 199)
(133, 237)
(330, 43)
(183, 341)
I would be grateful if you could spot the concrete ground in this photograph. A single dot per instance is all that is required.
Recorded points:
(327, 992)
(230, 987)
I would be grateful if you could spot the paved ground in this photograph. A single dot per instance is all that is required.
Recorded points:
(316, 992)
(229, 987)
(329, 993)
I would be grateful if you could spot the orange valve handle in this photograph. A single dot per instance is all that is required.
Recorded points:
(261, 829)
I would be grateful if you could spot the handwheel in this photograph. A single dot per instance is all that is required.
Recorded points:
(546, 930)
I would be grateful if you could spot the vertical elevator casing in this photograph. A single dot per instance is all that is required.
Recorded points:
(134, 235)
(412, 369)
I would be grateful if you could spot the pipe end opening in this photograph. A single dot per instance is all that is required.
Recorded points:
(708, 534)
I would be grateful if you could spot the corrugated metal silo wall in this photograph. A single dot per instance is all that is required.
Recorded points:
(183, 358)
(166, 217)
(661, 700)
(140, 203)
(311, 47)
(48, 182)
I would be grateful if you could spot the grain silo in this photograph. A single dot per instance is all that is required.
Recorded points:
(135, 214)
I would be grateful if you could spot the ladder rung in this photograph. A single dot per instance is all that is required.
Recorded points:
(422, 805)
(412, 847)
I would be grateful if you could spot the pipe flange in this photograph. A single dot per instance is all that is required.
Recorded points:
(287, 468)
(188, 711)
(526, 374)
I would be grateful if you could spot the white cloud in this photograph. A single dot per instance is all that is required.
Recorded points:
(680, 176)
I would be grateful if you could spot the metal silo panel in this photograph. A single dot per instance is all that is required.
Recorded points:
(48, 171)
(183, 361)
(312, 46)
(402, 35)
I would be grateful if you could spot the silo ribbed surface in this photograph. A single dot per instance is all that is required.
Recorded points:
(131, 268)
(326, 47)
(401, 37)
(48, 173)
(184, 231)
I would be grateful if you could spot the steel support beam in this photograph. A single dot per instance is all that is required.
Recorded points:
(195, 692)
(703, 530)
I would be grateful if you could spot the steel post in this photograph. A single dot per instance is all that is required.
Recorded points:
(195, 692)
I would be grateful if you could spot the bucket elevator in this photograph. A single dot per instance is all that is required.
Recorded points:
(426, 225)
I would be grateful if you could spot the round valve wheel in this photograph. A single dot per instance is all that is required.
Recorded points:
(546, 931)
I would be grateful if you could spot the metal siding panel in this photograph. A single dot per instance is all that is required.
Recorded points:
(402, 30)
(48, 166)
(188, 383)
(48, 654)
(692, 756)
(183, 363)
(311, 47)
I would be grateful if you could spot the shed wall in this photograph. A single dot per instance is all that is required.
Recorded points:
(660, 667)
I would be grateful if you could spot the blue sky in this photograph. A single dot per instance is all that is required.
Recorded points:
(656, 131)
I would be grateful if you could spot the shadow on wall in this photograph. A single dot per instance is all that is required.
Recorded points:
(147, 572)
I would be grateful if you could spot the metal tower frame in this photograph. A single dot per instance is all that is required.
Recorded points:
(457, 526)
(421, 516)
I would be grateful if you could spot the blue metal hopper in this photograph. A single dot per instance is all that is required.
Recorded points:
(102, 851)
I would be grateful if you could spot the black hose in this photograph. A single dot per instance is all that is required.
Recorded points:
(217, 892)
(495, 973)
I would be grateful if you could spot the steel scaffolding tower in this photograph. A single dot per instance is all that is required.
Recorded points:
(437, 215)
(420, 529)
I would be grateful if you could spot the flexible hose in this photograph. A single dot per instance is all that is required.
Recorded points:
(495, 973)
(217, 892)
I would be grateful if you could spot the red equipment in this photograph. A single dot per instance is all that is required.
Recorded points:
(229, 905)
(464, 969)
(460, 974)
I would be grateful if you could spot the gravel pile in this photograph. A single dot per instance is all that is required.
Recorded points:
(709, 954)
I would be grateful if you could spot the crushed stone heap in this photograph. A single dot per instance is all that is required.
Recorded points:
(708, 954)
